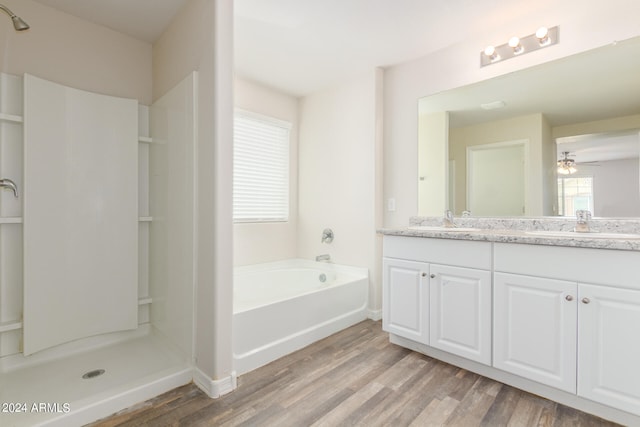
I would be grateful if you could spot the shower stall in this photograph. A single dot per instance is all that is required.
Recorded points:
(96, 251)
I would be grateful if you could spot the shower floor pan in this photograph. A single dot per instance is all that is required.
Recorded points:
(54, 393)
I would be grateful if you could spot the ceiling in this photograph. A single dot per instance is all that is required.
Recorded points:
(599, 84)
(300, 46)
(593, 85)
(142, 19)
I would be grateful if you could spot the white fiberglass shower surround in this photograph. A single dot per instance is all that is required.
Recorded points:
(96, 251)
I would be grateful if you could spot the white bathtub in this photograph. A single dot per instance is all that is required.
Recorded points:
(283, 306)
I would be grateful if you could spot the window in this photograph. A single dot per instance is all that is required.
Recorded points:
(575, 193)
(260, 168)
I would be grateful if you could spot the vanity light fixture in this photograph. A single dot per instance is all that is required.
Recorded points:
(542, 38)
(566, 166)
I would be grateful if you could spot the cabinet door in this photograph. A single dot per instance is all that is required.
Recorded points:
(609, 346)
(535, 328)
(460, 311)
(405, 299)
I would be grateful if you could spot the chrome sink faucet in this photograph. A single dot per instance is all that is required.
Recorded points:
(447, 220)
(582, 221)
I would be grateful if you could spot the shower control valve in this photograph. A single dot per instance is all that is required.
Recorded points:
(327, 235)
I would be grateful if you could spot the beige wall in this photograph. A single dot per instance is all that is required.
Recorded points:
(534, 129)
(338, 159)
(598, 126)
(549, 167)
(616, 188)
(256, 243)
(74, 52)
(433, 133)
(199, 38)
(583, 26)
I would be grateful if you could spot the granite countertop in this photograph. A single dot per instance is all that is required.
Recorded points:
(519, 230)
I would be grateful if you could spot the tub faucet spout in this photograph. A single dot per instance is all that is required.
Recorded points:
(325, 258)
(7, 183)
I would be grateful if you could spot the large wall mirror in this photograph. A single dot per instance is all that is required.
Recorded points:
(544, 141)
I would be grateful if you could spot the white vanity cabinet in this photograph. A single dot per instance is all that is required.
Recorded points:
(535, 329)
(460, 311)
(405, 299)
(438, 293)
(609, 346)
(570, 318)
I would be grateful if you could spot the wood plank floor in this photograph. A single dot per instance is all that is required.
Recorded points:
(355, 378)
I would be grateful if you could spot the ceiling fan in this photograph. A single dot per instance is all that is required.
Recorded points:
(566, 166)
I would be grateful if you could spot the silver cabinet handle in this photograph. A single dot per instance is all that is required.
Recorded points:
(569, 297)
(433, 276)
(586, 300)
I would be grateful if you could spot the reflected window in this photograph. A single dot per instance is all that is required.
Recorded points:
(575, 193)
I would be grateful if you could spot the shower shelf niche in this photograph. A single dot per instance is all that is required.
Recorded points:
(147, 140)
(10, 326)
(11, 220)
(10, 118)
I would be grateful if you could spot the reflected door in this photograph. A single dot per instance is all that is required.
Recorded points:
(496, 181)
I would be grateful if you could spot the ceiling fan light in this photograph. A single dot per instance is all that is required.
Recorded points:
(566, 166)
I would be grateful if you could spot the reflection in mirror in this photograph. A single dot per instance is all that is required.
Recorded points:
(504, 137)
(604, 178)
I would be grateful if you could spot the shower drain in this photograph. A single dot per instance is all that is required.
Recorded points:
(93, 374)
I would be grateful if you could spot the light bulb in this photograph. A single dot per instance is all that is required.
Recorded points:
(542, 35)
(491, 53)
(514, 42)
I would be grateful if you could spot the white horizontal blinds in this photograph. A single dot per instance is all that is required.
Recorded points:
(260, 168)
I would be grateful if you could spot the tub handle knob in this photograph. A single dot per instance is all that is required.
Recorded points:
(327, 236)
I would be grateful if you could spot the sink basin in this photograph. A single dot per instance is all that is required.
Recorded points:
(436, 228)
(573, 234)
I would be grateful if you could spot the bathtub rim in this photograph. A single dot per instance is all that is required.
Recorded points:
(360, 272)
(345, 275)
(266, 352)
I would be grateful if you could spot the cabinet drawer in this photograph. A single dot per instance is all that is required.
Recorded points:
(440, 251)
(601, 266)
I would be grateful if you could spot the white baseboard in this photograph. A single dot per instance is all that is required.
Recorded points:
(374, 314)
(214, 388)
